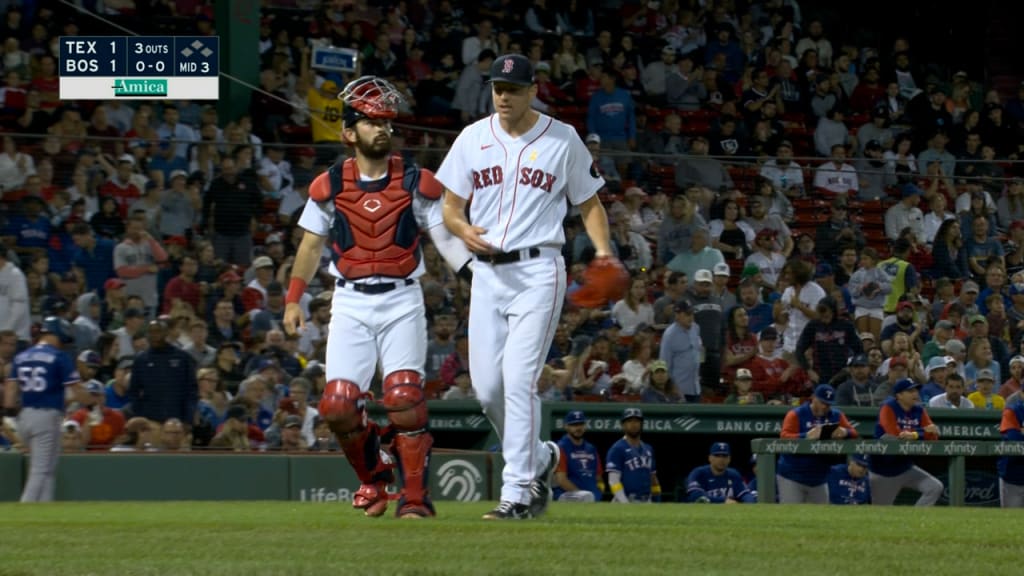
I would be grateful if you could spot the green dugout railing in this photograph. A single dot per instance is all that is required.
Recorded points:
(957, 451)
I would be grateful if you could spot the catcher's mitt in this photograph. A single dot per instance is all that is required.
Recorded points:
(604, 279)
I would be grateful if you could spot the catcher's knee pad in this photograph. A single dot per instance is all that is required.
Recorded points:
(405, 401)
(343, 406)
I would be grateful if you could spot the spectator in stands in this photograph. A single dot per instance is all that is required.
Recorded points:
(953, 397)
(163, 381)
(936, 152)
(838, 232)
(935, 373)
(684, 85)
(677, 229)
(484, 40)
(633, 310)
(836, 177)
(136, 261)
(230, 208)
(14, 300)
(826, 342)
(860, 387)
(798, 302)
(730, 234)
(15, 166)
(633, 249)
(1015, 382)
(470, 92)
(700, 256)
(233, 434)
(100, 425)
(700, 170)
(681, 350)
(785, 174)
(982, 248)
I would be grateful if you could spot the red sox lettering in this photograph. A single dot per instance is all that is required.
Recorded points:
(495, 176)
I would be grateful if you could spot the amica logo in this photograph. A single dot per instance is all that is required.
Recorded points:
(140, 87)
(460, 480)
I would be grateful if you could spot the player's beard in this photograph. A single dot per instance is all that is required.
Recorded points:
(377, 149)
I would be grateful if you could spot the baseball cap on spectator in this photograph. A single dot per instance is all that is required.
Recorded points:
(176, 241)
(950, 361)
(275, 288)
(593, 139)
(229, 276)
(1018, 359)
(909, 190)
(542, 67)
(903, 305)
(69, 276)
(861, 460)
(859, 360)
(768, 333)
(954, 346)
(683, 306)
(825, 393)
(71, 425)
(264, 364)
(288, 405)
(575, 417)
(512, 69)
(970, 286)
(329, 86)
(903, 385)
(722, 269)
(133, 313)
(720, 449)
(784, 144)
(94, 387)
(634, 191)
(867, 336)
(126, 158)
(824, 270)
(985, 374)
(238, 412)
(873, 145)
(125, 362)
(262, 262)
(944, 325)
(178, 174)
(656, 365)
(978, 318)
(934, 363)
(89, 358)
(743, 374)
(292, 421)
(750, 270)
(272, 238)
(229, 344)
(897, 362)
(703, 275)
(631, 413)
(313, 369)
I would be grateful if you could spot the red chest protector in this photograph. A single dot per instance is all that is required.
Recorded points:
(375, 232)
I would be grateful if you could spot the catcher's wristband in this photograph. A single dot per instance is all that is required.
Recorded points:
(296, 288)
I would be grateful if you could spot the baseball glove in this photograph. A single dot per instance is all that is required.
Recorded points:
(604, 279)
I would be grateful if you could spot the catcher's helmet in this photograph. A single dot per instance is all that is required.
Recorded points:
(59, 327)
(369, 97)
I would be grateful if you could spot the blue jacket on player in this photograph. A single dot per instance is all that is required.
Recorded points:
(42, 373)
(845, 489)
(809, 470)
(581, 465)
(703, 482)
(893, 419)
(1011, 468)
(637, 467)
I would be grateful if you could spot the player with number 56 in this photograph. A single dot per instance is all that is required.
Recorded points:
(42, 374)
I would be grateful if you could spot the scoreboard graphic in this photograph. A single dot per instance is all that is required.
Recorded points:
(139, 67)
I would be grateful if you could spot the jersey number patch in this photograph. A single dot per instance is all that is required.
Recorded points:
(33, 379)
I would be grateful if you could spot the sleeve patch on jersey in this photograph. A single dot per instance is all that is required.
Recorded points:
(593, 170)
(429, 187)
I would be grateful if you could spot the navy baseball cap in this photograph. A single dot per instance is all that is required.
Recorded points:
(825, 393)
(512, 69)
(720, 449)
(861, 459)
(94, 387)
(89, 358)
(630, 413)
(575, 417)
(859, 360)
(903, 385)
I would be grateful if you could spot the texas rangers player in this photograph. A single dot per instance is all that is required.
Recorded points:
(903, 417)
(43, 373)
(519, 274)
(579, 474)
(848, 484)
(1011, 468)
(717, 483)
(372, 208)
(803, 478)
(632, 471)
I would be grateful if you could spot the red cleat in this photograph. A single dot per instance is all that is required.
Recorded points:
(372, 499)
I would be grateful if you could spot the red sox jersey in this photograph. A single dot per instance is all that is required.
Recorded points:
(519, 185)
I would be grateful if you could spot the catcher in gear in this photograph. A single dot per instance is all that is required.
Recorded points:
(369, 211)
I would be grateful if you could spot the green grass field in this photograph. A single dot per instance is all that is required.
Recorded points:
(257, 538)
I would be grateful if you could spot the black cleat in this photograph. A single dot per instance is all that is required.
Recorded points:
(509, 511)
(540, 488)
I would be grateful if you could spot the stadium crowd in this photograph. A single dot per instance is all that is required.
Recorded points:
(794, 210)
